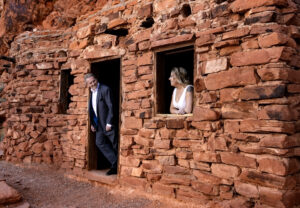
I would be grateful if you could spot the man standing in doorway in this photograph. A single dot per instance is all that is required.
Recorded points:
(101, 115)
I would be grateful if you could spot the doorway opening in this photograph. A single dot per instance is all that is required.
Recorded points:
(165, 61)
(108, 73)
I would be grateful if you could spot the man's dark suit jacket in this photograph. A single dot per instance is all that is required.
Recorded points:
(104, 108)
(105, 116)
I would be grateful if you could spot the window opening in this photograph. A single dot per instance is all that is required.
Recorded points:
(165, 61)
(2, 129)
(66, 80)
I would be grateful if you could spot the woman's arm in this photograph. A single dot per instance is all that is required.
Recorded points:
(189, 100)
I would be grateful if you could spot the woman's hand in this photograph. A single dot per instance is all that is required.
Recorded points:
(181, 111)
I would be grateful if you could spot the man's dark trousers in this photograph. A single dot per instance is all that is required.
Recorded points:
(106, 147)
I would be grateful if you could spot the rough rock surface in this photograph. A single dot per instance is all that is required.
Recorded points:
(19, 16)
(44, 187)
(8, 195)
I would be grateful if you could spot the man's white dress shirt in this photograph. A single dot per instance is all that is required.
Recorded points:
(94, 101)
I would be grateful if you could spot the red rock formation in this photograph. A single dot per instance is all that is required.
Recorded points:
(19, 16)
(65, 12)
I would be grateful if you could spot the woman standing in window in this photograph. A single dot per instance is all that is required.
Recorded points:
(182, 98)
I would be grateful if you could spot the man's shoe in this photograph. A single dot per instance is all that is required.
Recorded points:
(112, 171)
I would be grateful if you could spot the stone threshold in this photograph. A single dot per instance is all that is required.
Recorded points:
(101, 177)
(98, 176)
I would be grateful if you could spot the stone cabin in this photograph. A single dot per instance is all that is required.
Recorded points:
(241, 145)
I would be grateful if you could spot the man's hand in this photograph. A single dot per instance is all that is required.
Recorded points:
(108, 128)
(93, 128)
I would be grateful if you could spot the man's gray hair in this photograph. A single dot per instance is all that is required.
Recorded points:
(88, 75)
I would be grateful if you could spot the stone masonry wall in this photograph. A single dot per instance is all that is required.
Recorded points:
(240, 148)
(36, 130)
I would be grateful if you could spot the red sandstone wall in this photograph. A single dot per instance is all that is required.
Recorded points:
(242, 143)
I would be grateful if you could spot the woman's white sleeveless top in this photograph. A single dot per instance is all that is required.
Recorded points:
(182, 101)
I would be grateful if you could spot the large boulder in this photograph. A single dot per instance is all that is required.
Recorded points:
(8, 195)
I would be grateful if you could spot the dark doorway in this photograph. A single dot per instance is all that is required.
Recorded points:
(108, 73)
(165, 61)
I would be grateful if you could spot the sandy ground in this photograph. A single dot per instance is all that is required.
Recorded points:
(46, 187)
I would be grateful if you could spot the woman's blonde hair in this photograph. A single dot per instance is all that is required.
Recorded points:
(181, 74)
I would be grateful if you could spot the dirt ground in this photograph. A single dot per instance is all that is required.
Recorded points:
(44, 187)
